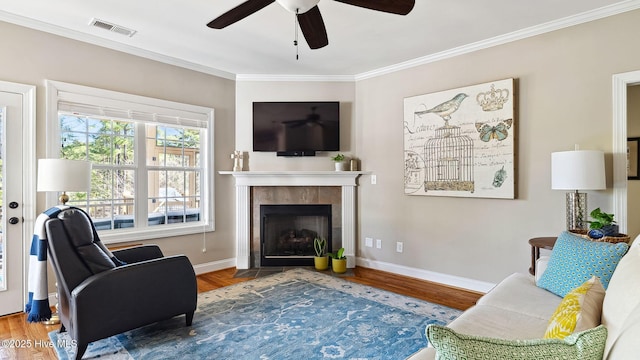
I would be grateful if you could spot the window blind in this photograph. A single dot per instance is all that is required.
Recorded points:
(83, 105)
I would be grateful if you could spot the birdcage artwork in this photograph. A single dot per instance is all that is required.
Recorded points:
(449, 161)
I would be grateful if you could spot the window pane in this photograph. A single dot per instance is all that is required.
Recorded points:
(112, 197)
(173, 146)
(74, 146)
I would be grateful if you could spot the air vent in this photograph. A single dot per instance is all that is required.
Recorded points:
(112, 27)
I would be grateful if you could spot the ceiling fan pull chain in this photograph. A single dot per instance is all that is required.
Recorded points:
(295, 30)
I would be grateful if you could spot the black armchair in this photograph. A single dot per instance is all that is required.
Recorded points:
(97, 299)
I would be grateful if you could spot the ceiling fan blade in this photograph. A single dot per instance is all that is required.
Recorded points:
(400, 7)
(313, 29)
(238, 13)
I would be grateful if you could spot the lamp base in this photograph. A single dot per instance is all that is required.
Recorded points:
(577, 211)
(64, 198)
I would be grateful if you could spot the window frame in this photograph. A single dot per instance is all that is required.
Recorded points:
(57, 91)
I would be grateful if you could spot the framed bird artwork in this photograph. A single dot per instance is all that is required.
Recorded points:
(460, 142)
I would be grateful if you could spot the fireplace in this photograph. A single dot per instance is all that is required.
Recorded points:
(248, 222)
(287, 232)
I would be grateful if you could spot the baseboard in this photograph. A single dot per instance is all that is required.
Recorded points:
(214, 266)
(451, 280)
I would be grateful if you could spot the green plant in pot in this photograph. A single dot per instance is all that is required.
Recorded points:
(321, 260)
(340, 161)
(602, 224)
(338, 261)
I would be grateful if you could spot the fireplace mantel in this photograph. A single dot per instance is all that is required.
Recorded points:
(295, 178)
(347, 180)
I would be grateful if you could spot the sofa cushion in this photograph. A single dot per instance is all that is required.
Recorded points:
(625, 346)
(579, 310)
(574, 260)
(519, 293)
(587, 345)
(501, 323)
(620, 300)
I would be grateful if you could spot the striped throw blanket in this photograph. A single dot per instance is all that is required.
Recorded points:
(37, 306)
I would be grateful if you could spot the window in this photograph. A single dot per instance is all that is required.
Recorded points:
(150, 160)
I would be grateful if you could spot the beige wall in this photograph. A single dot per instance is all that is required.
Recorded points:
(30, 57)
(564, 98)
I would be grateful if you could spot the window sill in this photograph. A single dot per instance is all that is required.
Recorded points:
(149, 233)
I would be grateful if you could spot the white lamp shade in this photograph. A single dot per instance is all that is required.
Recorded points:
(578, 170)
(63, 175)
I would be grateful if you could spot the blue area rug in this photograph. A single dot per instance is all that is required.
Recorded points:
(297, 314)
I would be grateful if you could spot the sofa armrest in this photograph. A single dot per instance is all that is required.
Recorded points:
(541, 266)
(138, 253)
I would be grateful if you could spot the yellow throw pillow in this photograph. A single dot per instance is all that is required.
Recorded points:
(580, 309)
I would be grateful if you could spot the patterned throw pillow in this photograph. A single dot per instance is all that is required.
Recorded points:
(575, 259)
(449, 345)
(579, 310)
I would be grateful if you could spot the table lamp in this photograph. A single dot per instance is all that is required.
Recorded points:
(62, 175)
(577, 170)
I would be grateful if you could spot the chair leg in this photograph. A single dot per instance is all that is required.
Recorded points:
(82, 347)
(189, 317)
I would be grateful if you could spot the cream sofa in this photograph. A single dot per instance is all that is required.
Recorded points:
(518, 309)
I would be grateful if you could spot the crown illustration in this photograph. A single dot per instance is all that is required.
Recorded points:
(493, 99)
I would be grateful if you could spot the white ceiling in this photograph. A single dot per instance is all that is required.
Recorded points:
(362, 42)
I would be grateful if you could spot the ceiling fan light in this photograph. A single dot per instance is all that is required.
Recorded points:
(298, 6)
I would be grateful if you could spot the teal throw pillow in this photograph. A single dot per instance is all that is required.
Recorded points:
(449, 345)
(575, 260)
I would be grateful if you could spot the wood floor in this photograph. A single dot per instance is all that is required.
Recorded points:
(25, 340)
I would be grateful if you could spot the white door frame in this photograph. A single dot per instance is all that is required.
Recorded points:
(620, 83)
(28, 93)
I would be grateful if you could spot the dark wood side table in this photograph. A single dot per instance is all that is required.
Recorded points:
(537, 244)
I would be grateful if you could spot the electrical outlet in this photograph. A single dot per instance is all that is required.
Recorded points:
(399, 246)
(378, 244)
(374, 179)
(368, 242)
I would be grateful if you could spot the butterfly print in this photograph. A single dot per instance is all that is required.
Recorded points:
(499, 132)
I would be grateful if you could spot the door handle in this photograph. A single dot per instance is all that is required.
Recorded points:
(13, 205)
(14, 220)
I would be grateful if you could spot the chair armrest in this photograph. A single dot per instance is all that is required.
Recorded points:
(541, 266)
(138, 253)
(133, 295)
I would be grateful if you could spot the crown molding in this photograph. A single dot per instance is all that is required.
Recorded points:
(305, 78)
(113, 45)
(566, 22)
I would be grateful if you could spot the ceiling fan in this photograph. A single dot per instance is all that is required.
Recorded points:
(308, 14)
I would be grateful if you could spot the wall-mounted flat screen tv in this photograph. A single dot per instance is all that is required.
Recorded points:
(296, 128)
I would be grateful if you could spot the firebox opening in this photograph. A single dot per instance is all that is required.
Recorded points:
(287, 233)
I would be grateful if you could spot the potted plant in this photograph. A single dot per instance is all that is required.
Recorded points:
(321, 260)
(338, 261)
(340, 162)
(602, 224)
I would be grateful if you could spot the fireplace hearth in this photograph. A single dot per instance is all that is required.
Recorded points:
(287, 232)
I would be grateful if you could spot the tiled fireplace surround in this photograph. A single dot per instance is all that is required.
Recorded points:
(293, 187)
